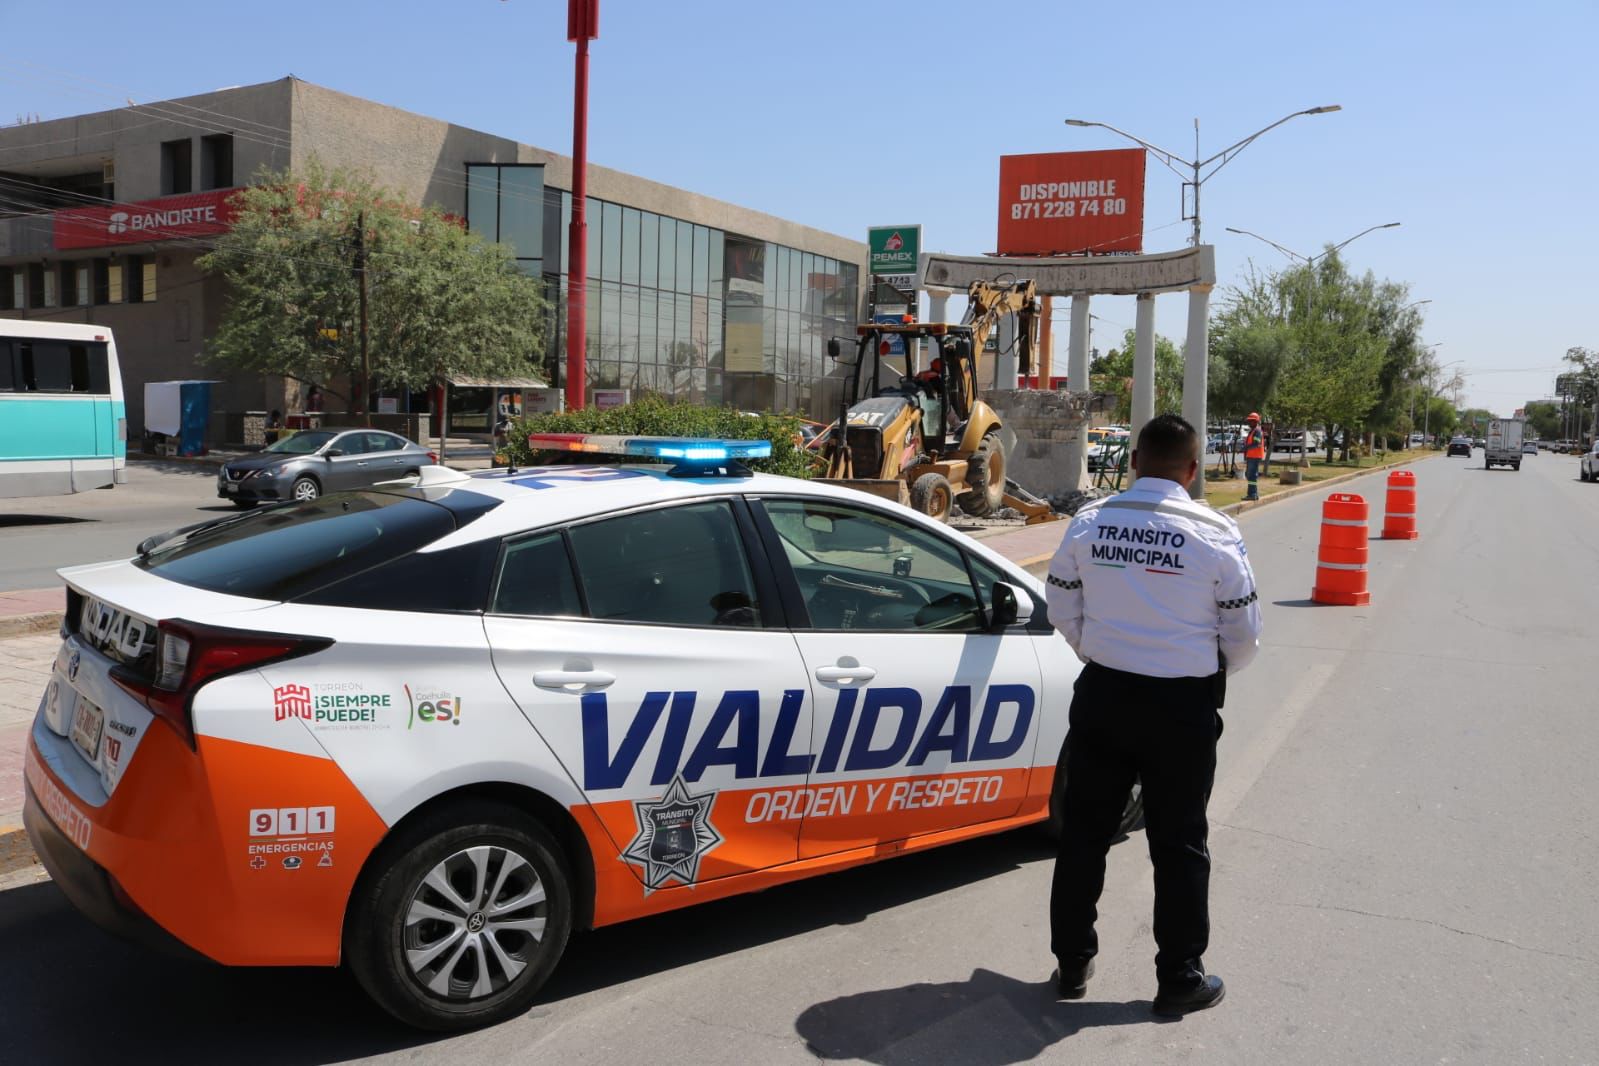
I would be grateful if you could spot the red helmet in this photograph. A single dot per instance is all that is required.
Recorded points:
(1253, 417)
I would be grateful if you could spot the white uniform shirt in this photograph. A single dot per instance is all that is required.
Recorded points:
(1150, 582)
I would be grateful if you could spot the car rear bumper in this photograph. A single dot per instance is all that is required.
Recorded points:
(89, 886)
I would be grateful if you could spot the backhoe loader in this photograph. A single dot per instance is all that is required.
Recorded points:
(927, 439)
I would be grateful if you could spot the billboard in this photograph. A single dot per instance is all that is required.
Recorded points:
(1071, 203)
(893, 249)
(200, 214)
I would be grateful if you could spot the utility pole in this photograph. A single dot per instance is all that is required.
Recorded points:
(582, 25)
(366, 357)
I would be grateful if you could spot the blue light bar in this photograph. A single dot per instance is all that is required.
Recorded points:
(682, 449)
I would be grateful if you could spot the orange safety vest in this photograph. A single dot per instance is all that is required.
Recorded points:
(1254, 444)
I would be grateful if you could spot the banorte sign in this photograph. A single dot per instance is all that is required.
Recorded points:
(1072, 203)
(199, 214)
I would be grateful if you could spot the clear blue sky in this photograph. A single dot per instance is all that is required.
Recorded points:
(1471, 123)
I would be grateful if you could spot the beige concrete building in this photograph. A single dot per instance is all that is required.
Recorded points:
(103, 215)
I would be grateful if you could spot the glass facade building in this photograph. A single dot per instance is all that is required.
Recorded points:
(676, 308)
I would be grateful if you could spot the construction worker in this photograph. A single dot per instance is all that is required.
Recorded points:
(1154, 593)
(1254, 454)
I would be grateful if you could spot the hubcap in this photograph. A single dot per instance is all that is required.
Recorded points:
(474, 923)
(305, 491)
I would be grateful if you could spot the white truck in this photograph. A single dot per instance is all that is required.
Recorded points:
(1504, 442)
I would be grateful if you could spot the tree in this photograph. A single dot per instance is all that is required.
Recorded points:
(1116, 369)
(441, 301)
(1543, 417)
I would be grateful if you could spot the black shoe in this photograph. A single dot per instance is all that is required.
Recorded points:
(1071, 979)
(1175, 1002)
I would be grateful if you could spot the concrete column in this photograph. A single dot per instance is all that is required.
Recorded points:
(937, 311)
(1196, 372)
(1143, 364)
(1044, 358)
(1076, 452)
(1005, 363)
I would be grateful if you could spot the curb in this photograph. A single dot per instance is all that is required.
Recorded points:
(1243, 508)
(21, 625)
(15, 851)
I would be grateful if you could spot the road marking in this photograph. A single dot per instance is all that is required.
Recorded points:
(1254, 759)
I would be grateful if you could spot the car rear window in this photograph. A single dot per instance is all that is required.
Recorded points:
(281, 553)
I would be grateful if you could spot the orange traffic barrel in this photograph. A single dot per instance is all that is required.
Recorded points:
(1341, 558)
(1399, 514)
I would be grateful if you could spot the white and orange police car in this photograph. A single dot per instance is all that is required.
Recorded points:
(428, 729)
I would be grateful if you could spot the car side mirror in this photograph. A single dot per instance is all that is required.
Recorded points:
(1008, 605)
(333, 453)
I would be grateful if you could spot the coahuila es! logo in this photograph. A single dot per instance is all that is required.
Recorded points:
(117, 223)
(674, 834)
(340, 705)
(432, 705)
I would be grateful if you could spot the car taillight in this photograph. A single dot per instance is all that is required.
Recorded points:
(434, 456)
(188, 654)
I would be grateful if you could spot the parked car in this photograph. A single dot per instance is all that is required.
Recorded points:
(316, 461)
(1460, 446)
(423, 732)
(1590, 463)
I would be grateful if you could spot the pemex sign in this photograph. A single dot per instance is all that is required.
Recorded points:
(893, 249)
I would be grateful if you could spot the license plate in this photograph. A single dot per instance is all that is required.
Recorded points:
(88, 723)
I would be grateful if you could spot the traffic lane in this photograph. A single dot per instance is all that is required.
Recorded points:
(683, 980)
(40, 534)
(1410, 872)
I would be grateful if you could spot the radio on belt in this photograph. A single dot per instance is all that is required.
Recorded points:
(695, 456)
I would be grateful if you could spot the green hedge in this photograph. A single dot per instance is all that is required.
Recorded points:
(655, 417)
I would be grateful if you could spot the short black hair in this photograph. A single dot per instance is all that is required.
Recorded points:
(1167, 442)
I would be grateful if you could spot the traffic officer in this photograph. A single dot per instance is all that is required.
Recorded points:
(1254, 454)
(1154, 592)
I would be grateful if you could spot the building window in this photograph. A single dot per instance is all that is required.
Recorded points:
(177, 167)
(216, 161)
(75, 284)
(140, 279)
(506, 204)
(8, 299)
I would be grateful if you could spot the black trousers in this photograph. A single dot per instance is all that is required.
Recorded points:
(1164, 732)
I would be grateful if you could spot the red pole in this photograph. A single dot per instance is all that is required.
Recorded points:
(582, 24)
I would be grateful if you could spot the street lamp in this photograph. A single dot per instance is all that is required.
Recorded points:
(1310, 260)
(1221, 158)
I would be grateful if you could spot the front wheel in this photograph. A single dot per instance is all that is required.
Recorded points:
(932, 495)
(462, 917)
(305, 489)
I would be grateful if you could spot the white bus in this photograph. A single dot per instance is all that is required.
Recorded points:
(63, 422)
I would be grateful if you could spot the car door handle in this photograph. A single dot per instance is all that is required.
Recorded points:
(845, 673)
(573, 680)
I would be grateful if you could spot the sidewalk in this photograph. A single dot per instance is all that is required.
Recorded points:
(28, 642)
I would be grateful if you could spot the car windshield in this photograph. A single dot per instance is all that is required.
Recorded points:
(302, 443)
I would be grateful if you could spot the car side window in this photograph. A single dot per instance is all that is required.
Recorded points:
(536, 578)
(861, 569)
(681, 565)
(383, 442)
(351, 444)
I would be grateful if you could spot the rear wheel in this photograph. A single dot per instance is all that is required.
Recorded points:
(985, 478)
(932, 495)
(461, 918)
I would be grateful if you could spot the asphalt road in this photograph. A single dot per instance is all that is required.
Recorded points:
(1404, 869)
(40, 534)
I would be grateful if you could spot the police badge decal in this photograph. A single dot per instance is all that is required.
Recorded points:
(674, 834)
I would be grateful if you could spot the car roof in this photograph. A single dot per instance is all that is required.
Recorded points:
(539, 497)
